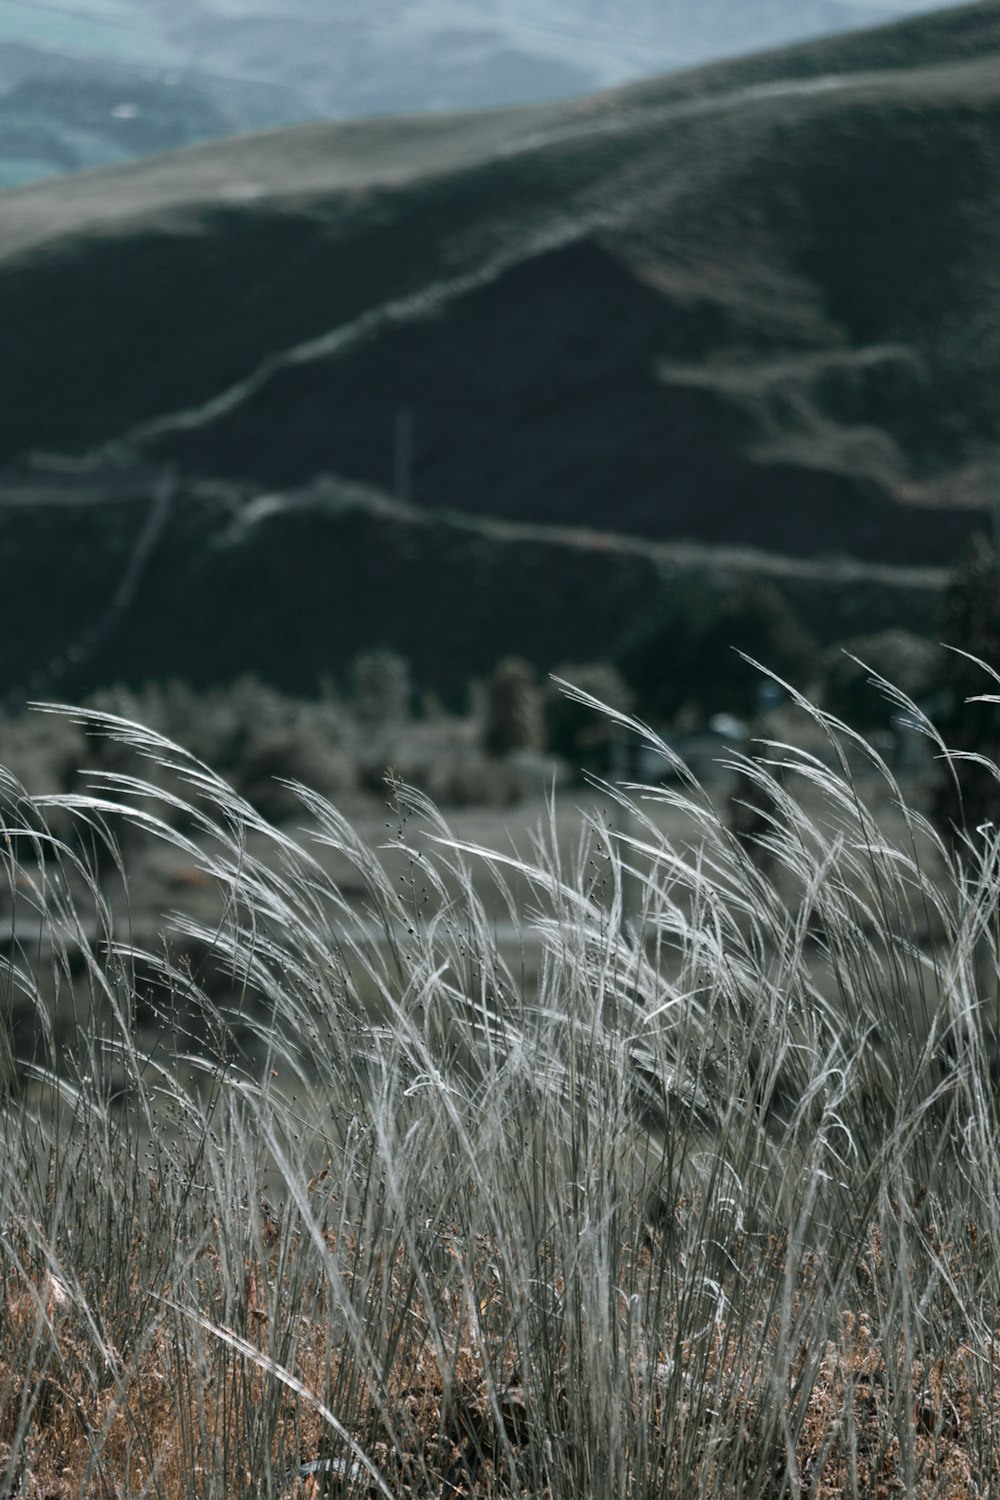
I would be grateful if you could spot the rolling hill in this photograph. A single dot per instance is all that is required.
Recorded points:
(753, 305)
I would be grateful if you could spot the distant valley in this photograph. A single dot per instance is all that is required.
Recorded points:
(88, 83)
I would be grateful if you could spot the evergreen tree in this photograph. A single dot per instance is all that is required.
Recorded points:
(514, 719)
(381, 689)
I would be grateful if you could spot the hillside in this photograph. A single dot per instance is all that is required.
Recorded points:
(756, 304)
(209, 581)
(751, 311)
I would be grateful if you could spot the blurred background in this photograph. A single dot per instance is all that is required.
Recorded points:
(88, 83)
(364, 365)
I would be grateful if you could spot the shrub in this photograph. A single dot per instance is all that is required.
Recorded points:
(298, 751)
(576, 731)
(380, 686)
(255, 734)
(513, 717)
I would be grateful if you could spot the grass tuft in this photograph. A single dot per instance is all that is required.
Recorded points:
(665, 1167)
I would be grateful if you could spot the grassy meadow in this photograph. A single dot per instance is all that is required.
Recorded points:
(659, 1161)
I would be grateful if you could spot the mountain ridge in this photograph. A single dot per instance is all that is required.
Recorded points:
(955, 35)
(757, 303)
(247, 65)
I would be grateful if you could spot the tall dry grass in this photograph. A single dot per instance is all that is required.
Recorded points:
(701, 1200)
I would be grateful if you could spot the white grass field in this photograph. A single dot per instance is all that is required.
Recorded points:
(701, 1201)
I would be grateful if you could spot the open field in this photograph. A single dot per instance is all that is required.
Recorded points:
(698, 1201)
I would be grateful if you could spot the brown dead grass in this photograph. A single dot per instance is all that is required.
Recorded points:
(166, 1413)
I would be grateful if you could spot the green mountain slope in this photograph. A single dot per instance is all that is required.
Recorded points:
(757, 304)
(129, 578)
